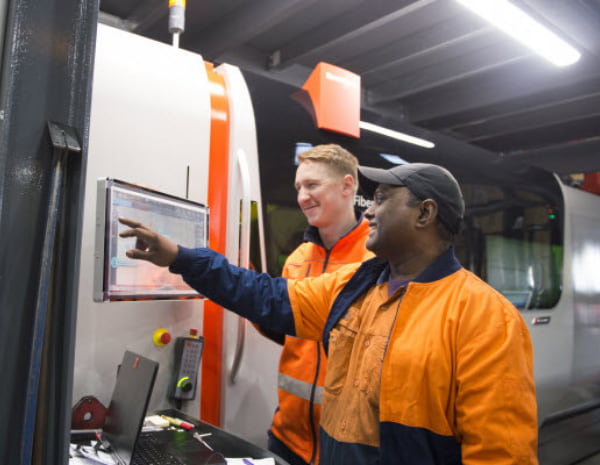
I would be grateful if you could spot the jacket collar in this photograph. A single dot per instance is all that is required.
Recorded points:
(444, 265)
(311, 234)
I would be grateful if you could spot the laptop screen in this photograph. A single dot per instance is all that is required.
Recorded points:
(127, 408)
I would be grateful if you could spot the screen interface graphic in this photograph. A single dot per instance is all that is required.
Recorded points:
(182, 221)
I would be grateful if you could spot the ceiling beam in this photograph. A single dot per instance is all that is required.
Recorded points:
(368, 17)
(243, 24)
(544, 136)
(114, 21)
(507, 83)
(432, 24)
(147, 14)
(565, 111)
(420, 49)
(572, 157)
(514, 106)
(452, 69)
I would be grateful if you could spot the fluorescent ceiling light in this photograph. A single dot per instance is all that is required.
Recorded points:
(396, 135)
(516, 23)
(395, 159)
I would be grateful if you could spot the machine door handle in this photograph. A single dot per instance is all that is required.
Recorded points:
(244, 257)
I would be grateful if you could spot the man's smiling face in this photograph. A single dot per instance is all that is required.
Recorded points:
(320, 193)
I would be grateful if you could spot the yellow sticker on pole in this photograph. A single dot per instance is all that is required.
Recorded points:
(176, 3)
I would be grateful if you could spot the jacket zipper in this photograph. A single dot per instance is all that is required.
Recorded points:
(311, 405)
(387, 342)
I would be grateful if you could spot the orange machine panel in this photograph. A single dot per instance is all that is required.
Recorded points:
(210, 402)
(335, 96)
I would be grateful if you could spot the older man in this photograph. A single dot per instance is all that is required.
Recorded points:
(427, 364)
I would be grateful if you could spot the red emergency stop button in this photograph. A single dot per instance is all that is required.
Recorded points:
(161, 337)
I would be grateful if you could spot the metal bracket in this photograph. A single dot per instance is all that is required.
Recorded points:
(274, 60)
(63, 138)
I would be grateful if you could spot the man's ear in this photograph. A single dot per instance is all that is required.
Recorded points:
(428, 211)
(348, 184)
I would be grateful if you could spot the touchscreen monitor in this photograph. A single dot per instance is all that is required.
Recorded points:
(120, 278)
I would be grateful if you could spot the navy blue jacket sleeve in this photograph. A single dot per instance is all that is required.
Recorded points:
(256, 296)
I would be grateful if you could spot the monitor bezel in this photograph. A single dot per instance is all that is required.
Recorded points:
(102, 291)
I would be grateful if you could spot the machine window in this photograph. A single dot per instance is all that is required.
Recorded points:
(512, 240)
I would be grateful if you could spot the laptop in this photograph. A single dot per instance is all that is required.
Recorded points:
(122, 435)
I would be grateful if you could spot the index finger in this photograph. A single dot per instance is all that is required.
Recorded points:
(142, 233)
(130, 223)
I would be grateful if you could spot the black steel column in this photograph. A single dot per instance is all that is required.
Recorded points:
(46, 77)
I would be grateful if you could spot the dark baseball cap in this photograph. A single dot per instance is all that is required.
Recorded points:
(425, 181)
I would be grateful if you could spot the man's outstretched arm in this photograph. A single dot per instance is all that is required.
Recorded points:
(258, 297)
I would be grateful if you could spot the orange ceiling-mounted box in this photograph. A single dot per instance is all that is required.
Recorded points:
(335, 97)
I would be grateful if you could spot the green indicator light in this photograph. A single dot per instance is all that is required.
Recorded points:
(183, 381)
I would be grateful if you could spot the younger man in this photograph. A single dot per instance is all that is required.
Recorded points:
(326, 182)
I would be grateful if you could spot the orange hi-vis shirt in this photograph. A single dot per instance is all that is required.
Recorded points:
(440, 372)
(442, 368)
(303, 363)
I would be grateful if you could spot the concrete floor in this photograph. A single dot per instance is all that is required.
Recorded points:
(571, 441)
(594, 460)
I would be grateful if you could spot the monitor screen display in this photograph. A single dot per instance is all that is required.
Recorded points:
(120, 278)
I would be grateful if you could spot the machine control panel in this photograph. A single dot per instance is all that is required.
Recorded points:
(188, 352)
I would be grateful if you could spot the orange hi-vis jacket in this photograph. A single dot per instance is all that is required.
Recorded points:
(303, 364)
(440, 372)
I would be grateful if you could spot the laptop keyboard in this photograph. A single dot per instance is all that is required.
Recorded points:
(147, 452)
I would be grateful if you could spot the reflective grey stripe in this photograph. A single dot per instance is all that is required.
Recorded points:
(299, 388)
